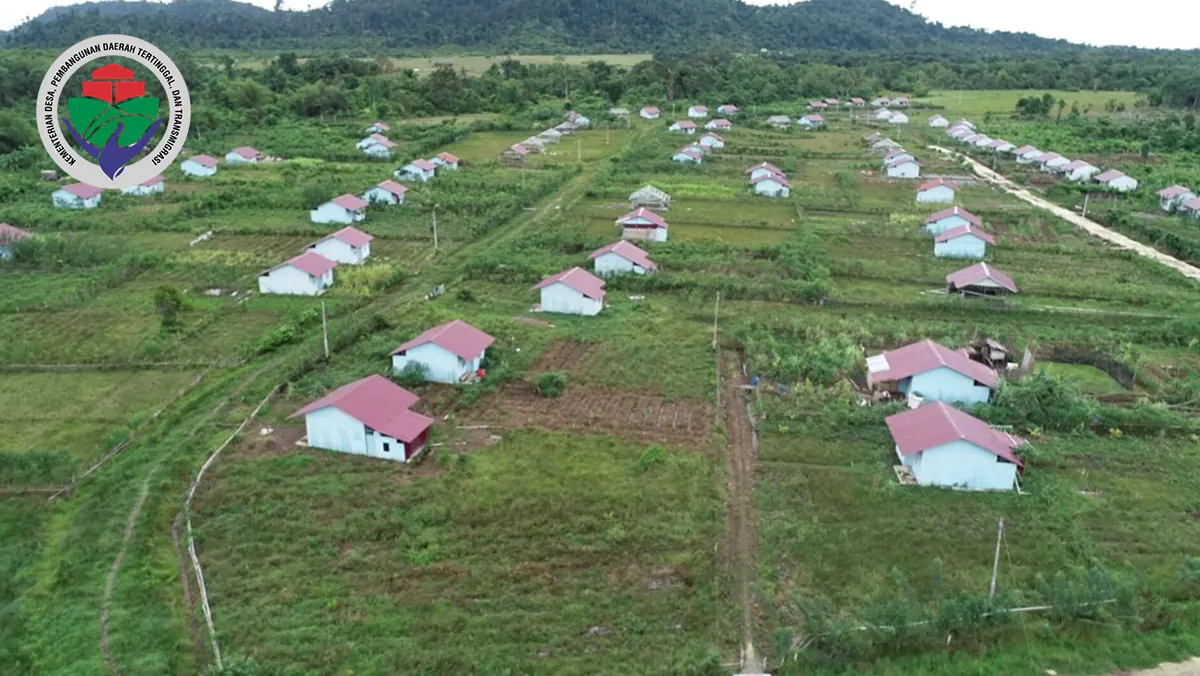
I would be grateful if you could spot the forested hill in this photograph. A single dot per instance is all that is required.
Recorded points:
(525, 26)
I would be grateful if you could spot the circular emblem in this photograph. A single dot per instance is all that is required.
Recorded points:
(99, 135)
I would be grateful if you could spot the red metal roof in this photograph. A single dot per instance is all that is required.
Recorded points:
(978, 273)
(1077, 164)
(310, 263)
(447, 157)
(351, 236)
(814, 118)
(423, 165)
(996, 144)
(247, 152)
(936, 424)
(727, 108)
(926, 356)
(10, 233)
(954, 211)
(721, 122)
(627, 251)
(832, 102)
(897, 161)
(351, 202)
(690, 153)
(1110, 175)
(1025, 149)
(1173, 192)
(855, 99)
(397, 189)
(701, 109)
(716, 136)
(937, 183)
(686, 124)
(382, 125)
(377, 403)
(652, 110)
(772, 177)
(382, 140)
(765, 165)
(645, 214)
(203, 160)
(83, 190)
(518, 149)
(896, 153)
(457, 337)
(154, 181)
(579, 279)
(1192, 204)
(1049, 157)
(817, 104)
(964, 230)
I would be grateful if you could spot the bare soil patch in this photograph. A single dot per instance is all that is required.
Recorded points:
(561, 356)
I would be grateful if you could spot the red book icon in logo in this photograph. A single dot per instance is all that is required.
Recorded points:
(106, 84)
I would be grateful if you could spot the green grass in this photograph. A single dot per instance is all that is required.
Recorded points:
(979, 102)
(425, 65)
(502, 560)
(1087, 378)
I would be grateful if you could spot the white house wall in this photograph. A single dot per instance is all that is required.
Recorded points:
(905, 170)
(441, 365)
(563, 299)
(945, 384)
(378, 195)
(332, 430)
(938, 195)
(196, 169)
(616, 264)
(291, 281)
(648, 234)
(771, 189)
(66, 200)
(332, 213)
(961, 464)
(341, 252)
(963, 246)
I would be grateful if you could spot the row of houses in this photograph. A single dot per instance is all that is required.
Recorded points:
(311, 273)
(768, 180)
(890, 116)
(696, 112)
(688, 127)
(1179, 199)
(897, 162)
(516, 153)
(695, 152)
(1077, 171)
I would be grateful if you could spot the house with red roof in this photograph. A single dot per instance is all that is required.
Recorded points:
(1000, 146)
(621, 258)
(1117, 181)
(949, 219)
(965, 241)
(573, 292)
(451, 353)
(931, 372)
(1079, 171)
(939, 122)
(378, 127)
(388, 192)
(882, 114)
(371, 417)
(10, 235)
(445, 161)
(349, 246)
(831, 102)
(687, 155)
(698, 112)
(980, 279)
(514, 154)
(1052, 162)
(1173, 197)
(811, 121)
(417, 170)
(881, 102)
(148, 187)
(945, 447)
(199, 166)
(763, 168)
(377, 145)
(719, 124)
(77, 196)
(771, 185)
(712, 140)
(902, 167)
(685, 126)
(346, 209)
(642, 223)
(650, 113)
(857, 102)
(243, 155)
(1027, 154)
(817, 105)
(939, 191)
(727, 109)
(1190, 206)
(308, 274)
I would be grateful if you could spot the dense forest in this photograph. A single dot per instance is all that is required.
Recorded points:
(528, 26)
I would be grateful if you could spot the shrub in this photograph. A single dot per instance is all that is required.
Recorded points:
(651, 457)
(413, 375)
(552, 384)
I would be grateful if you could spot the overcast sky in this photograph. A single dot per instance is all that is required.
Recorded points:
(1145, 23)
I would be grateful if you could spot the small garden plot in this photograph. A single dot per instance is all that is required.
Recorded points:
(78, 336)
(1088, 378)
(542, 554)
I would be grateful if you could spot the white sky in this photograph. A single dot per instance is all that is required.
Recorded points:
(1144, 23)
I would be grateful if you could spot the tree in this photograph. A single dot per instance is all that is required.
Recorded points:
(168, 303)
(1062, 105)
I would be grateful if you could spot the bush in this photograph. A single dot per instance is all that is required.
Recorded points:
(651, 457)
(413, 375)
(552, 385)
(237, 666)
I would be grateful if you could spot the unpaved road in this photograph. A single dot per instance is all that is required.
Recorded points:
(1091, 227)
(1189, 668)
(743, 453)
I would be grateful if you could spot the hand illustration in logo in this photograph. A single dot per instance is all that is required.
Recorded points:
(116, 117)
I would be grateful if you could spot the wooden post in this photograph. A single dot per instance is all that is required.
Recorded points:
(716, 316)
(996, 560)
(435, 239)
(579, 151)
(324, 330)
(607, 135)
(1086, 198)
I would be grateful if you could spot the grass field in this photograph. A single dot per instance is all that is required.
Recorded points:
(474, 65)
(979, 102)
(588, 533)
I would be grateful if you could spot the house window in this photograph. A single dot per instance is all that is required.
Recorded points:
(387, 447)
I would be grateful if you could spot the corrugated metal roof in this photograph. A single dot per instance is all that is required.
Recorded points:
(351, 236)
(11, 233)
(772, 177)
(937, 424)
(579, 279)
(1173, 191)
(938, 183)
(765, 165)
(393, 187)
(351, 202)
(627, 251)
(377, 403)
(1110, 175)
(643, 213)
(247, 152)
(83, 190)
(962, 231)
(203, 160)
(926, 356)
(978, 273)
(954, 211)
(310, 263)
(457, 337)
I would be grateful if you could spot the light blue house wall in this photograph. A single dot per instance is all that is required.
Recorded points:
(963, 246)
(944, 384)
(948, 223)
(961, 464)
(331, 429)
(441, 365)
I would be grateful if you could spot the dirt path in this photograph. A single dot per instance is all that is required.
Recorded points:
(1189, 668)
(1089, 226)
(743, 452)
(143, 493)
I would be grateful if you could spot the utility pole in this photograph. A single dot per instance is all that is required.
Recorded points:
(996, 561)
(1086, 197)
(607, 135)
(579, 151)
(325, 330)
(435, 240)
(716, 316)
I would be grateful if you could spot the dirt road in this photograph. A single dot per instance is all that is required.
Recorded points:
(1091, 227)
(1189, 668)
(743, 452)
